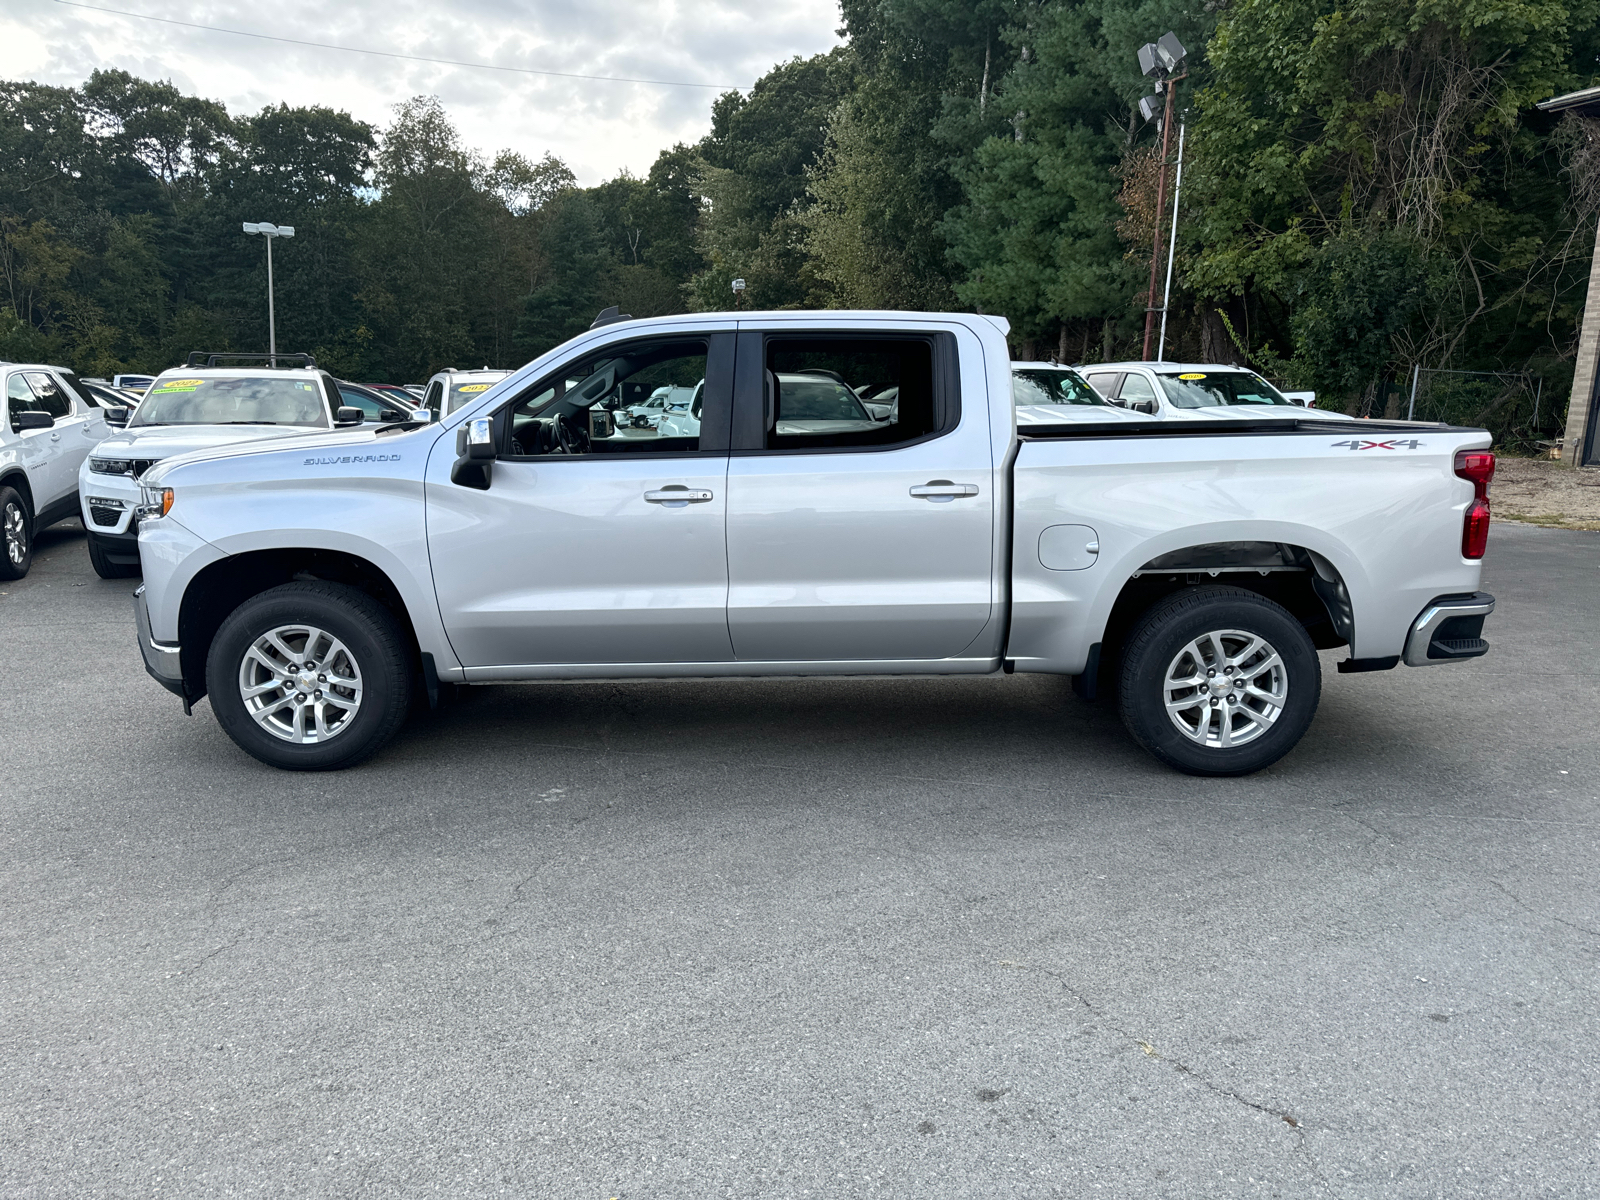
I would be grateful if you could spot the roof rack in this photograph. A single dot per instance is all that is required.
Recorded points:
(287, 360)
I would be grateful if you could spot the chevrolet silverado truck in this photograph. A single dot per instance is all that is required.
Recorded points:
(317, 587)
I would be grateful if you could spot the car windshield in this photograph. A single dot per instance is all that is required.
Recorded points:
(816, 398)
(251, 400)
(1052, 387)
(462, 393)
(1214, 389)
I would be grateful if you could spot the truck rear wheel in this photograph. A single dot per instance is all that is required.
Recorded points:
(1219, 681)
(310, 676)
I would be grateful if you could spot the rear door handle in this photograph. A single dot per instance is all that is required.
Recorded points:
(677, 494)
(943, 491)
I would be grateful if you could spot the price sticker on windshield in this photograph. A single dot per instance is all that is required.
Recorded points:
(179, 385)
(474, 387)
(1191, 375)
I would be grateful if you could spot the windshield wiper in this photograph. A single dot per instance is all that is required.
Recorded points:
(249, 422)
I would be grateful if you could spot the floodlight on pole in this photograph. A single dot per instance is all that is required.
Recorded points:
(268, 231)
(738, 292)
(1159, 59)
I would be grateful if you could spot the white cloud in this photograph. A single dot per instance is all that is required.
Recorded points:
(597, 127)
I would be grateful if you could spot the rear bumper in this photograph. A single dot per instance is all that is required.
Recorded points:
(1449, 629)
(162, 660)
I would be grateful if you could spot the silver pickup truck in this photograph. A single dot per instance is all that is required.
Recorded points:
(317, 587)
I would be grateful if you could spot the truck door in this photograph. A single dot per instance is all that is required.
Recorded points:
(591, 544)
(856, 535)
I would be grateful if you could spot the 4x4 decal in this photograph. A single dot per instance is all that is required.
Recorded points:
(1392, 444)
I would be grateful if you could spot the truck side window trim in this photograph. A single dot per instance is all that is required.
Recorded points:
(749, 416)
(716, 399)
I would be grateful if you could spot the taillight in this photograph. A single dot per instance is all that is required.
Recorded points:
(1478, 467)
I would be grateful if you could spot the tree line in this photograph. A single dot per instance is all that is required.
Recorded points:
(1367, 187)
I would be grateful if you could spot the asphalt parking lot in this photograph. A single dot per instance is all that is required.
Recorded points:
(924, 938)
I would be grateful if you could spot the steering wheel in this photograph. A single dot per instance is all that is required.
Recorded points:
(571, 435)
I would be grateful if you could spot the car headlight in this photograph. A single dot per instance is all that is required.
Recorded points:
(111, 466)
(157, 502)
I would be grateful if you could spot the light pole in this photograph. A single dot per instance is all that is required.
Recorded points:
(269, 231)
(1158, 60)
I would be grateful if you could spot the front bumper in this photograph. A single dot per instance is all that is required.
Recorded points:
(161, 659)
(1450, 629)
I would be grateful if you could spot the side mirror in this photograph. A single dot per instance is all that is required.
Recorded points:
(117, 415)
(1148, 407)
(349, 414)
(474, 465)
(32, 420)
(422, 414)
(601, 423)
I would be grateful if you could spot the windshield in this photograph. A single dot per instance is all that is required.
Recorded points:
(1213, 389)
(1052, 387)
(461, 393)
(261, 400)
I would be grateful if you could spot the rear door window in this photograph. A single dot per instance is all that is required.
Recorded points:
(849, 391)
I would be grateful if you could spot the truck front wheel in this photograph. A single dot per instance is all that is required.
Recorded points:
(309, 676)
(1219, 681)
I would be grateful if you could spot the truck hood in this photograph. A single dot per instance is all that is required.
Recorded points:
(324, 443)
(163, 441)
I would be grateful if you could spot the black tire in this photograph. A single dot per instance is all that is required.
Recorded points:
(1159, 641)
(16, 534)
(370, 637)
(104, 567)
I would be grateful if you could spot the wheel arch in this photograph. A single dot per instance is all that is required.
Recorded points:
(1302, 580)
(220, 587)
(16, 477)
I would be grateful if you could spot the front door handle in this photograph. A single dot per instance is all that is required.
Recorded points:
(677, 495)
(942, 491)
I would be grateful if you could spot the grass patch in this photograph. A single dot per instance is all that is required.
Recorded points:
(1549, 522)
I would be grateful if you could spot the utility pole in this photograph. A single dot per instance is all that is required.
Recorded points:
(269, 231)
(1158, 60)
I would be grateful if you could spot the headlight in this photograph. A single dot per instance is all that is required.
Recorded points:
(111, 466)
(157, 503)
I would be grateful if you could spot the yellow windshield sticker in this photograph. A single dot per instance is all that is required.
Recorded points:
(178, 385)
(474, 387)
(1191, 375)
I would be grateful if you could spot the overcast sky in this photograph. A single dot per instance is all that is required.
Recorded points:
(598, 128)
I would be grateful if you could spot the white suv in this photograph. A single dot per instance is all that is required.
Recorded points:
(47, 432)
(449, 389)
(1194, 391)
(195, 408)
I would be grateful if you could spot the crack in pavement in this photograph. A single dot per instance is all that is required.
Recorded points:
(1528, 908)
(1303, 1145)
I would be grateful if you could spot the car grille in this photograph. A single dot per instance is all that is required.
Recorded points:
(105, 512)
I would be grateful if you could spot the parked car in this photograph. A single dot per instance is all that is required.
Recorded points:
(47, 433)
(1199, 564)
(684, 421)
(1193, 391)
(137, 384)
(405, 396)
(449, 389)
(102, 394)
(1049, 394)
(196, 407)
(381, 406)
